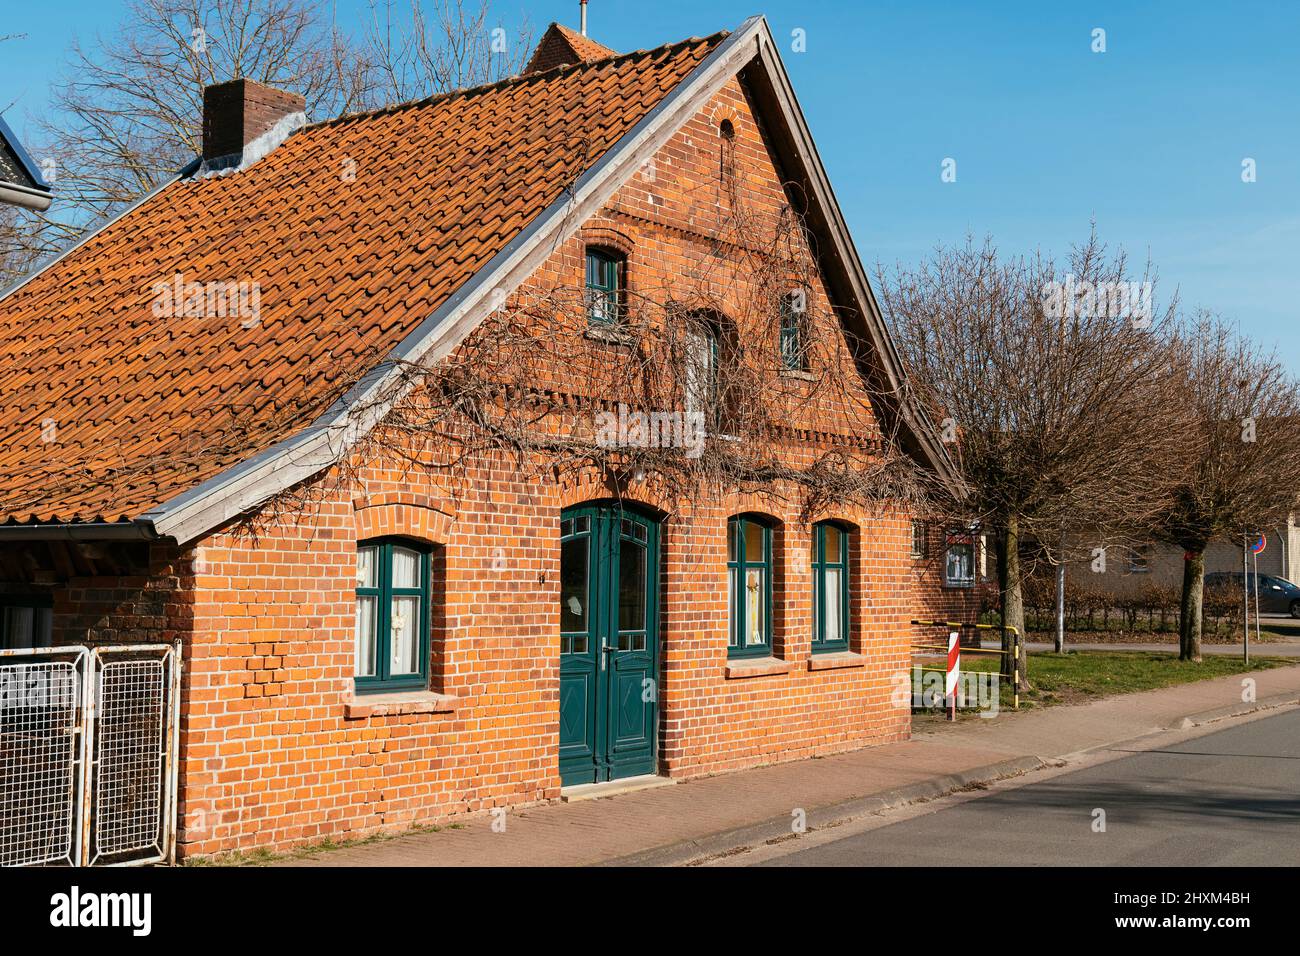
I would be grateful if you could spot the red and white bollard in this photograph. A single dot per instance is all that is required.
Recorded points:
(954, 674)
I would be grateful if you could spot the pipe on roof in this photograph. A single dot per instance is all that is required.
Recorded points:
(28, 198)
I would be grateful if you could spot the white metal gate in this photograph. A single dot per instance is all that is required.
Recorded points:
(88, 755)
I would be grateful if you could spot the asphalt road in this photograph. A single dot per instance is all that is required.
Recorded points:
(1230, 798)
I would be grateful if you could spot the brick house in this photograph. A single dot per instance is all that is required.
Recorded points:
(953, 573)
(369, 642)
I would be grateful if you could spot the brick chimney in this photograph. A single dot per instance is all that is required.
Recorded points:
(237, 112)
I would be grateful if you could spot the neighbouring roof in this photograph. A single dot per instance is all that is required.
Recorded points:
(560, 46)
(355, 231)
(21, 182)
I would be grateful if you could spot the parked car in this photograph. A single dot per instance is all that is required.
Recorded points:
(1276, 595)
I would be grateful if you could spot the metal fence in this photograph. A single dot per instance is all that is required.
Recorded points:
(88, 748)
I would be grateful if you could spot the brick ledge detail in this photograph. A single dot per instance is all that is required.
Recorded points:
(757, 667)
(826, 662)
(391, 705)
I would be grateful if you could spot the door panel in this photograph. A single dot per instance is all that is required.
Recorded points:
(609, 645)
(579, 640)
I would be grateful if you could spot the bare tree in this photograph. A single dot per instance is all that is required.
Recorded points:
(19, 228)
(1241, 457)
(414, 52)
(1053, 392)
(129, 111)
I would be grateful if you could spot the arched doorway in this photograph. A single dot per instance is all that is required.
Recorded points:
(609, 643)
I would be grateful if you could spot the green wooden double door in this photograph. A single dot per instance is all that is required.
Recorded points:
(609, 643)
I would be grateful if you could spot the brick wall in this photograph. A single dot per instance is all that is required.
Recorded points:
(278, 751)
(237, 112)
(933, 599)
(122, 593)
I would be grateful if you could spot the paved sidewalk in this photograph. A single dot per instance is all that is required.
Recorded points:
(670, 823)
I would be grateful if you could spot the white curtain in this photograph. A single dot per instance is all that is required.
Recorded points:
(406, 568)
(832, 606)
(755, 607)
(19, 627)
(366, 568)
(366, 606)
(405, 638)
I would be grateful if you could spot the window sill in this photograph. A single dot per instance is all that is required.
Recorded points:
(756, 667)
(833, 660)
(799, 374)
(398, 703)
(959, 585)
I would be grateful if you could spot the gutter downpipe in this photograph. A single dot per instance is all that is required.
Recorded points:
(15, 195)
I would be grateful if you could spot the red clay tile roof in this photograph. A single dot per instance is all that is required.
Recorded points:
(354, 230)
(560, 45)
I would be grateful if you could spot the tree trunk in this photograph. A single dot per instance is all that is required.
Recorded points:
(1189, 625)
(1013, 603)
(1060, 604)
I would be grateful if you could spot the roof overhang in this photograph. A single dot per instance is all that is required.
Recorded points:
(35, 194)
(84, 531)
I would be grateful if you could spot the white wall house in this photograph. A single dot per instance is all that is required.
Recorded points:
(1130, 569)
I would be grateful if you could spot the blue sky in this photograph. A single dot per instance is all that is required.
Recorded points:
(1147, 138)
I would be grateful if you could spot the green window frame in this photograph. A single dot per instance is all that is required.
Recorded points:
(703, 392)
(391, 633)
(749, 587)
(831, 621)
(26, 620)
(606, 272)
(794, 332)
(577, 542)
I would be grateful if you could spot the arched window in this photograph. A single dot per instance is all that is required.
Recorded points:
(606, 289)
(830, 587)
(702, 352)
(749, 587)
(794, 331)
(392, 623)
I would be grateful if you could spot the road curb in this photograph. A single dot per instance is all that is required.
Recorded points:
(1237, 710)
(775, 829)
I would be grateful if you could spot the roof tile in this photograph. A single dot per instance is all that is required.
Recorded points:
(346, 238)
